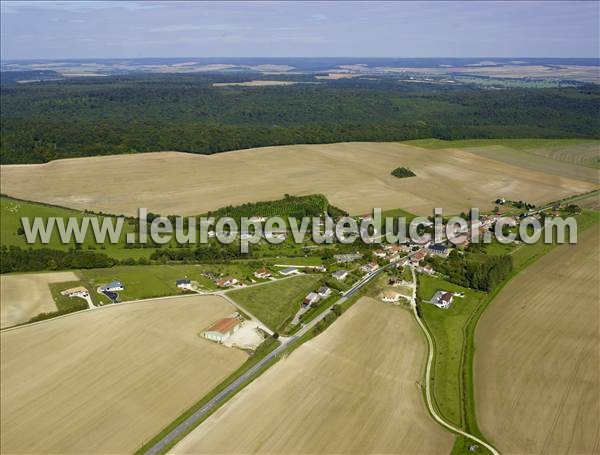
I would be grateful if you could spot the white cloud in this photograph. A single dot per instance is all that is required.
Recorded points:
(200, 27)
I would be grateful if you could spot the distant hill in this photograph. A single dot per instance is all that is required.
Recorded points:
(10, 77)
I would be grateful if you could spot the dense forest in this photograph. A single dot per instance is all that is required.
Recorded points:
(127, 114)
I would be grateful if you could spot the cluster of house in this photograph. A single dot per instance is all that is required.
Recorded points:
(314, 297)
(223, 328)
(392, 252)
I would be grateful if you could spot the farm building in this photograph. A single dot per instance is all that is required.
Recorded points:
(311, 298)
(226, 282)
(324, 292)
(262, 274)
(437, 249)
(113, 286)
(390, 296)
(78, 291)
(289, 271)
(442, 299)
(184, 283)
(340, 275)
(221, 329)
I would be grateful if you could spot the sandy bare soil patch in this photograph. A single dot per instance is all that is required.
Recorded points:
(537, 364)
(354, 176)
(23, 296)
(106, 380)
(351, 390)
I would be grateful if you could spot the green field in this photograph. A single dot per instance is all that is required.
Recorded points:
(446, 327)
(517, 144)
(274, 304)
(149, 281)
(12, 210)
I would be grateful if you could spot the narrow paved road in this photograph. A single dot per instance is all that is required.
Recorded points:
(429, 401)
(192, 421)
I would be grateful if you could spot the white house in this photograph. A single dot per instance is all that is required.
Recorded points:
(324, 292)
(311, 298)
(262, 274)
(221, 329)
(113, 286)
(226, 282)
(289, 271)
(184, 283)
(340, 275)
(442, 299)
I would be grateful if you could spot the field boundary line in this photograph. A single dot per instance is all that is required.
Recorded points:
(111, 305)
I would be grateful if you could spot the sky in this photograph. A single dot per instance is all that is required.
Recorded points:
(129, 29)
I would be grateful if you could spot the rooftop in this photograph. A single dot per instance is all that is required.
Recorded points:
(223, 325)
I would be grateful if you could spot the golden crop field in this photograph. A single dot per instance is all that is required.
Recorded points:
(353, 389)
(106, 380)
(537, 368)
(23, 296)
(354, 176)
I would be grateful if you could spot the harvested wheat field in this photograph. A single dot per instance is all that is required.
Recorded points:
(354, 176)
(23, 296)
(537, 365)
(106, 380)
(350, 390)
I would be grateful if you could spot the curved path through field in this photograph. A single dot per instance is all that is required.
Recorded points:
(429, 401)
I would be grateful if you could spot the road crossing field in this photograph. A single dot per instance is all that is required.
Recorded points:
(352, 389)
